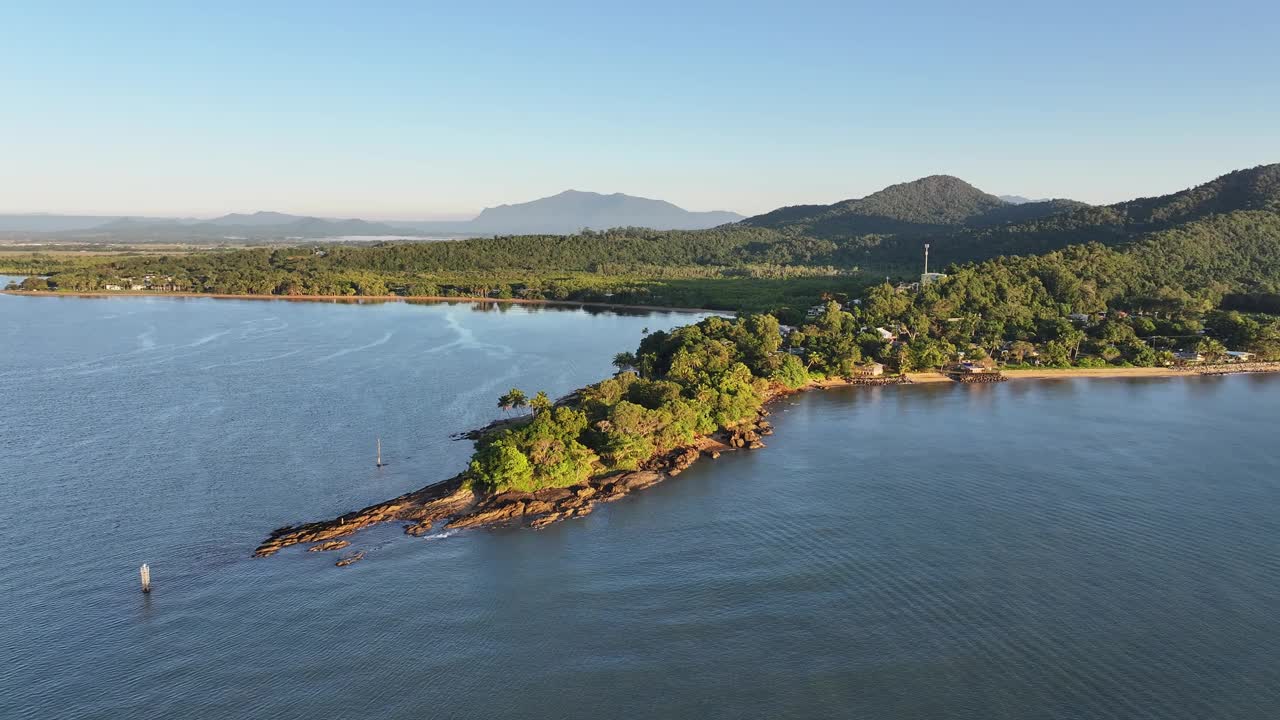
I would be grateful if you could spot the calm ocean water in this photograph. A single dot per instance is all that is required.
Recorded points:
(1069, 549)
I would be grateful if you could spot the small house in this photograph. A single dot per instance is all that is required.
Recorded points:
(975, 368)
(1187, 356)
(1235, 356)
(111, 286)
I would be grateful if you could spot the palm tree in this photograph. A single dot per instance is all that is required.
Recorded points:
(624, 361)
(505, 403)
(1212, 349)
(1021, 350)
(518, 399)
(540, 402)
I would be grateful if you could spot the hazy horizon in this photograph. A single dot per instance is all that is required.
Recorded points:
(401, 112)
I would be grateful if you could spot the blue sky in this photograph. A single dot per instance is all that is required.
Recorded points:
(417, 110)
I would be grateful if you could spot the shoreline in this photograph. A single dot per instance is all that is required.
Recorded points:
(925, 378)
(460, 507)
(358, 299)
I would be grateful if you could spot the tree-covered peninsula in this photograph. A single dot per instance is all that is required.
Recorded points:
(702, 388)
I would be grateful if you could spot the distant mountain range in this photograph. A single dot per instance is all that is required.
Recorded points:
(573, 210)
(567, 212)
(1016, 199)
(261, 225)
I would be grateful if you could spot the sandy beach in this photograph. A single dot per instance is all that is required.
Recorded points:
(1112, 372)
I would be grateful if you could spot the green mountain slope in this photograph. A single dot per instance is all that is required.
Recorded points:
(887, 229)
(926, 205)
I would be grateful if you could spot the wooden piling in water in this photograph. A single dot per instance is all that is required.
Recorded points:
(145, 573)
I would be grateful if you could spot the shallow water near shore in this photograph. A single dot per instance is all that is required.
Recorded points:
(1058, 549)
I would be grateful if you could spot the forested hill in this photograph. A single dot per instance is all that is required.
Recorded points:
(1220, 237)
(941, 204)
(1254, 189)
(886, 229)
(927, 204)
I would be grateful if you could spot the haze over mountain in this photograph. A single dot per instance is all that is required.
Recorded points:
(259, 226)
(51, 223)
(573, 210)
(569, 211)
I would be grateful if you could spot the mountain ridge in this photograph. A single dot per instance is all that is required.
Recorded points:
(924, 205)
(572, 210)
(565, 212)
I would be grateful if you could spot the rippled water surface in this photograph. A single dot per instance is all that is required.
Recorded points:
(1068, 549)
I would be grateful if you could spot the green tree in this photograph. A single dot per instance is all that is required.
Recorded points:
(791, 373)
(540, 402)
(517, 398)
(625, 361)
(501, 465)
(1211, 349)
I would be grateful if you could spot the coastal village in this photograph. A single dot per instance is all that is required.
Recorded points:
(974, 364)
(153, 283)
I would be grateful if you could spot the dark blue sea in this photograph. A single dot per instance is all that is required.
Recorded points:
(1056, 549)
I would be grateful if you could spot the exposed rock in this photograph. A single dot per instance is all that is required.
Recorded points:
(419, 529)
(680, 460)
(539, 507)
(348, 559)
(425, 506)
(461, 507)
(488, 516)
(638, 480)
(745, 438)
(546, 520)
(560, 493)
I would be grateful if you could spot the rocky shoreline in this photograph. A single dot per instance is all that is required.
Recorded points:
(452, 505)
